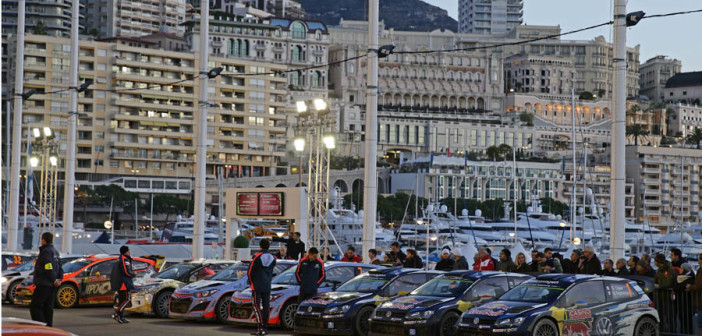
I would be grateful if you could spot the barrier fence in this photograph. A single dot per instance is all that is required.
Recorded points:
(680, 311)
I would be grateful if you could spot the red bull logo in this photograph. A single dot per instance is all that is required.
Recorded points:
(577, 329)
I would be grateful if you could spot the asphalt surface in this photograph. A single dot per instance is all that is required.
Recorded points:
(84, 321)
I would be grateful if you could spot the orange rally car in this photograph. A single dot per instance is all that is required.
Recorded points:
(86, 281)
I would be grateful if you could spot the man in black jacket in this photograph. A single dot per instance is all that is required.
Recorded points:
(310, 274)
(295, 247)
(396, 255)
(260, 275)
(590, 264)
(121, 282)
(413, 260)
(47, 276)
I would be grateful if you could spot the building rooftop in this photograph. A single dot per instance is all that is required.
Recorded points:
(685, 79)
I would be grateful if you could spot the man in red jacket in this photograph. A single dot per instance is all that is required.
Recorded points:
(351, 256)
(484, 262)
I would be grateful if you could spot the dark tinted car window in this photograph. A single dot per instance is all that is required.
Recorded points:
(619, 291)
(103, 268)
(340, 274)
(405, 283)
(488, 288)
(589, 293)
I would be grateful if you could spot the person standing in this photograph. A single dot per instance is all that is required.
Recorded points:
(396, 255)
(260, 275)
(609, 268)
(557, 268)
(621, 267)
(47, 277)
(350, 255)
(506, 264)
(413, 260)
(484, 262)
(696, 290)
(310, 274)
(534, 265)
(522, 265)
(631, 263)
(295, 246)
(591, 264)
(461, 262)
(121, 281)
(373, 256)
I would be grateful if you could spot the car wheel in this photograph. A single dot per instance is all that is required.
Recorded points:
(362, 326)
(646, 327)
(222, 308)
(67, 296)
(160, 303)
(545, 327)
(448, 324)
(287, 315)
(12, 291)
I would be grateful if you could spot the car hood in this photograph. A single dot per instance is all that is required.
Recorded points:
(406, 303)
(332, 298)
(205, 284)
(501, 308)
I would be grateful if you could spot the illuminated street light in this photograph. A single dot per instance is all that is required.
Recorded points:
(47, 132)
(329, 142)
(320, 104)
(34, 161)
(301, 107)
(299, 144)
(53, 160)
(576, 241)
(36, 132)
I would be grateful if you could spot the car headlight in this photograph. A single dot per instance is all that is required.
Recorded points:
(509, 321)
(206, 293)
(3, 280)
(420, 315)
(338, 309)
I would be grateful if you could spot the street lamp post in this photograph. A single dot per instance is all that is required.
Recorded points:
(136, 204)
(299, 148)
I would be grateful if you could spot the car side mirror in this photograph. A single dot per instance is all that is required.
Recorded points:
(97, 274)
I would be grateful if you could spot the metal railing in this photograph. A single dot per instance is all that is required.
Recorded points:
(680, 311)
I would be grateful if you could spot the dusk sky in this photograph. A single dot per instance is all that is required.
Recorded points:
(677, 36)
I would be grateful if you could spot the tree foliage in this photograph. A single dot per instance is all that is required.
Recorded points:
(636, 131)
(695, 137)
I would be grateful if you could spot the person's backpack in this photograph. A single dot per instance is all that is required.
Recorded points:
(116, 276)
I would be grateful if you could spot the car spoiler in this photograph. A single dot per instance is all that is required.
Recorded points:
(159, 259)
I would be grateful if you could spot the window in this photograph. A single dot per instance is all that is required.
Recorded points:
(315, 79)
(591, 292)
(405, 283)
(299, 31)
(618, 291)
(340, 274)
(101, 269)
(298, 54)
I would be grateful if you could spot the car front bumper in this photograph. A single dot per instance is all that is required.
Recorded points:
(243, 313)
(465, 329)
(192, 308)
(317, 324)
(400, 328)
(23, 296)
(141, 303)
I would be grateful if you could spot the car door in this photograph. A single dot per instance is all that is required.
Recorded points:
(96, 284)
(584, 310)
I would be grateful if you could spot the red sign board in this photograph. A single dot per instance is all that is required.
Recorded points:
(247, 204)
(270, 204)
(259, 204)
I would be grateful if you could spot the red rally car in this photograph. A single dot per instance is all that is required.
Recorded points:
(86, 281)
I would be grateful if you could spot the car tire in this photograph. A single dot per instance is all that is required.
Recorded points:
(287, 315)
(12, 291)
(361, 324)
(222, 308)
(545, 327)
(447, 326)
(160, 303)
(646, 327)
(67, 296)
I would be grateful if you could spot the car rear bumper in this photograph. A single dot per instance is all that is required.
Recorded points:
(141, 303)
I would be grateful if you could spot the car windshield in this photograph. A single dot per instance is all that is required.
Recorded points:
(286, 278)
(74, 265)
(25, 267)
(233, 273)
(532, 292)
(363, 284)
(446, 287)
(175, 272)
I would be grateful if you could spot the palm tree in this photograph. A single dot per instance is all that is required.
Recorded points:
(637, 131)
(695, 137)
(505, 150)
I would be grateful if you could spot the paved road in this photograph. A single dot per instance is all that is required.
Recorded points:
(85, 321)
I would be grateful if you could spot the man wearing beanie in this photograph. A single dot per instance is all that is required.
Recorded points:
(665, 279)
(47, 276)
(666, 275)
(506, 264)
(121, 281)
(446, 262)
(643, 268)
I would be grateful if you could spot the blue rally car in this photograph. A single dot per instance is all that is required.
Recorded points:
(209, 299)
(434, 308)
(285, 290)
(565, 304)
(346, 311)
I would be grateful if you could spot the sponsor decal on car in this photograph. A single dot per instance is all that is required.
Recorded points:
(490, 309)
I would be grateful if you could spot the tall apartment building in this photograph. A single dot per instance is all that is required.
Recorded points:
(655, 73)
(684, 87)
(489, 16)
(138, 123)
(290, 9)
(108, 18)
(667, 184)
(687, 118)
(297, 44)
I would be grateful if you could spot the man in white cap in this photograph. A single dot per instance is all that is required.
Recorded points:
(484, 262)
(446, 262)
(461, 262)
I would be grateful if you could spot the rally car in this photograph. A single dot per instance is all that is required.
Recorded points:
(85, 281)
(285, 290)
(434, 308)
(11, 260)
(566, 304)
(346, 311)
(12, 278)
(209, 299)
(152, 295)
